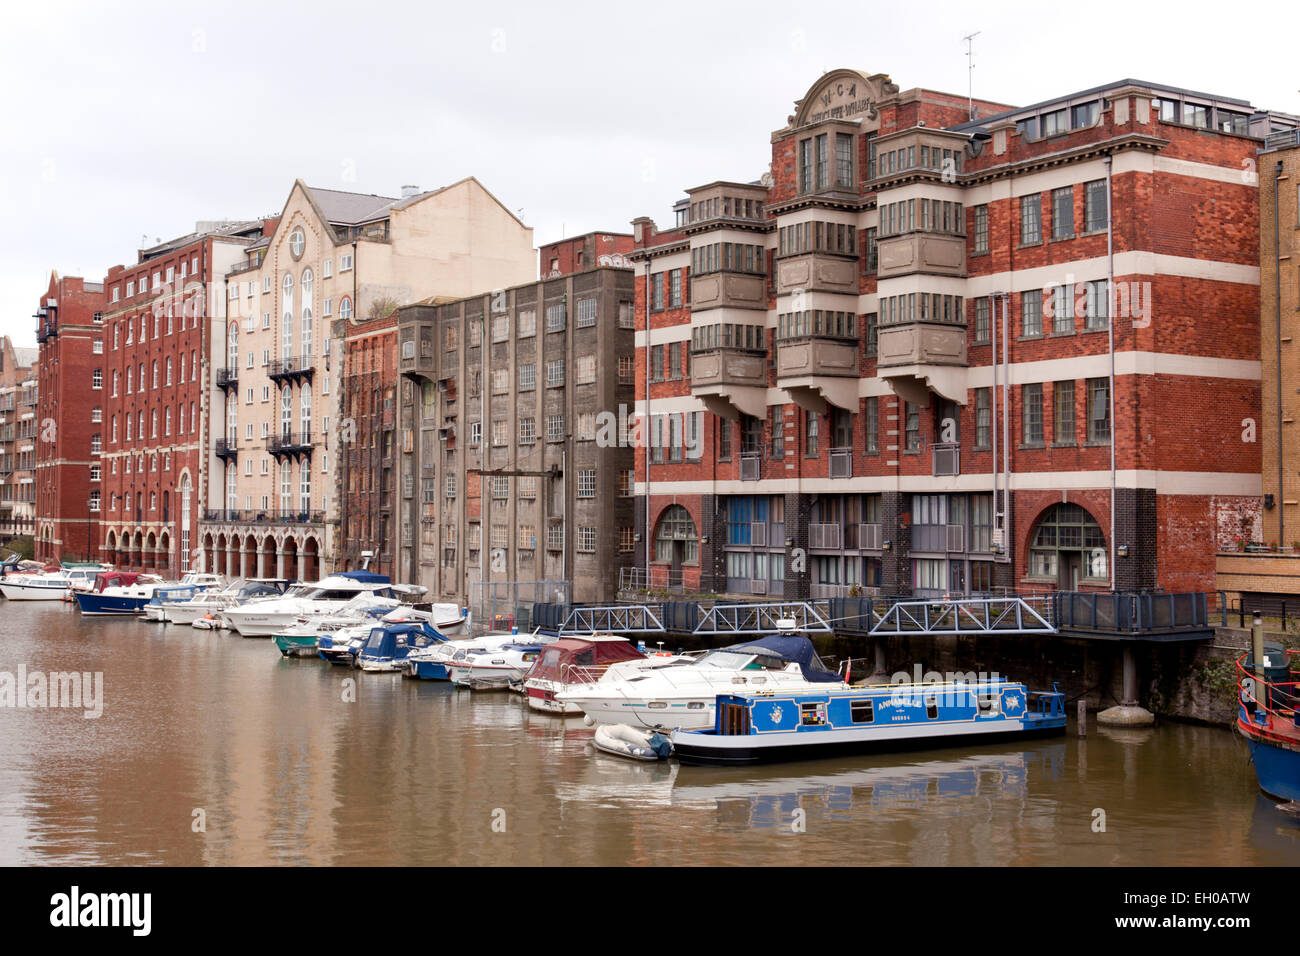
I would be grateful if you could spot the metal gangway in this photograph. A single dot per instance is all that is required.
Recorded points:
(992, 615)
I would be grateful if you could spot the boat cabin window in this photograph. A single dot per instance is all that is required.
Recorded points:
(812, 715)
(585, 657)
(988, 704)
(931, 708)
(862, 711)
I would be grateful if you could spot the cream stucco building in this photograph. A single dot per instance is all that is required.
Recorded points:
(332, 259)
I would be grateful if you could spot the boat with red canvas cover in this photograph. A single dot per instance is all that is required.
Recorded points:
(571, 661)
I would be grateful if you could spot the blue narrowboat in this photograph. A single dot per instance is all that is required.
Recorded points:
(770, 726)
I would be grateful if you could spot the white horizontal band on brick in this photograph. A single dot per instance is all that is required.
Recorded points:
(1126, 264)
(677, 260)
(1164, 482)
(1240, 176)
(1126, 363)
(730, 235)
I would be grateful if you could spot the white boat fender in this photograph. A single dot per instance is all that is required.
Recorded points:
(589, 720)
(624, 741)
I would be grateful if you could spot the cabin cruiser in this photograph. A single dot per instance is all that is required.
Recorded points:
(51, 584)
(318, 599)
(208, 605)
(486, 669)
(387, 645)
(118, 592)
(680, 693)
(431, 663)
(190, 586)
(571, 662)
(348, 627)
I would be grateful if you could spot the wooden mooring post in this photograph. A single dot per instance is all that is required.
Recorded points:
(1083, 717)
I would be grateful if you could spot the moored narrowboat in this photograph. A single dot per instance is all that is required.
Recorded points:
(771, 726)
(1266, 718)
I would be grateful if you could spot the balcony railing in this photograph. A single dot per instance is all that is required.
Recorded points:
(227, 378)
(825, 537)
(841, 462)
(282, 516)
(869, 537)
(289, 443)
(295, 366)
(225, 448)
(750, 466)
(946, 460)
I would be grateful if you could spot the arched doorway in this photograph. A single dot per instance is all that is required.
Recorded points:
(150, 559)
(311, 559)
(136, 558)
(209, 553)
(220, 558)
(1068, 547)
(676, 542)
(165, 553)
(250, 557)
(268, 557)
(289, 551)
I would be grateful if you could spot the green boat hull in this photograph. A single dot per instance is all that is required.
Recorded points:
(298, 645)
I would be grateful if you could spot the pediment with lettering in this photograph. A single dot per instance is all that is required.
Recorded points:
(843, 95)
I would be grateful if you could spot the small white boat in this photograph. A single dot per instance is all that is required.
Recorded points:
(190, 586)
(431, 663)
(319, 599)
(634, 743)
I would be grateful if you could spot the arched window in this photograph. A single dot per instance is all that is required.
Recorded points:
(675, 538)
(1068, 545)
(286, 411)
(232, 348)
(345, 308)
(304, 414)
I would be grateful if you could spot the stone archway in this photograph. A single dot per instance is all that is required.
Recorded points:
(289, 557)
(311, 559)
(249, 568)
(268, 556)
(209, 553)
(1067, 546)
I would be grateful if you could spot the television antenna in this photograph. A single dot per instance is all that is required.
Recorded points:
(970, 71)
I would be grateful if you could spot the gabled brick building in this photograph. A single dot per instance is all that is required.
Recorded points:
(70, 378)
(898, 349)
(159, 323)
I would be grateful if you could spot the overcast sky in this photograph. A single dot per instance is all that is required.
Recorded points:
(133, 121)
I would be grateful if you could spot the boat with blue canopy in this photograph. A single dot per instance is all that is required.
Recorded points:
(764, 726)
(387, 646)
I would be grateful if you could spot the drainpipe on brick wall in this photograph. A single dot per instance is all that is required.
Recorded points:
(1006, 435)
(993, 418)
(1110, 346)
(647, 432)
(1277, 305)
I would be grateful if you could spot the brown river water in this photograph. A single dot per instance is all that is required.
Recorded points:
(212, 749)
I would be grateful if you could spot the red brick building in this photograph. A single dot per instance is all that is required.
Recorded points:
(887, 366)
(159, 323)
(70, 384)
(581, 253)
(368, 446)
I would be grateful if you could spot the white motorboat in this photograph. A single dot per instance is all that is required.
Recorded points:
(319, 599)
(50, 585)
(191, 585)
(210, 603)
(681, 694)
(431, 663)
(573, 661)
(493, 669)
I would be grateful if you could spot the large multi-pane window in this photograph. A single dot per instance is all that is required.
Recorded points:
(675, 289)
(844, 160)
(1063, 309)
(983, 417)
(1095, 304)
(586, 315)
(1063, 213)
(873, 333)
(981, 320)
(812, 422)
(657, 291)
(912, 427)
(1031, 219)
(778, 431)
(1031, 413)
(981, 229)
(873, 425)
(1063, 421)
(586, 482)
(675, 537)
(1094, 205)
(1031, 313)
(1099, 409)
(555, 317)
